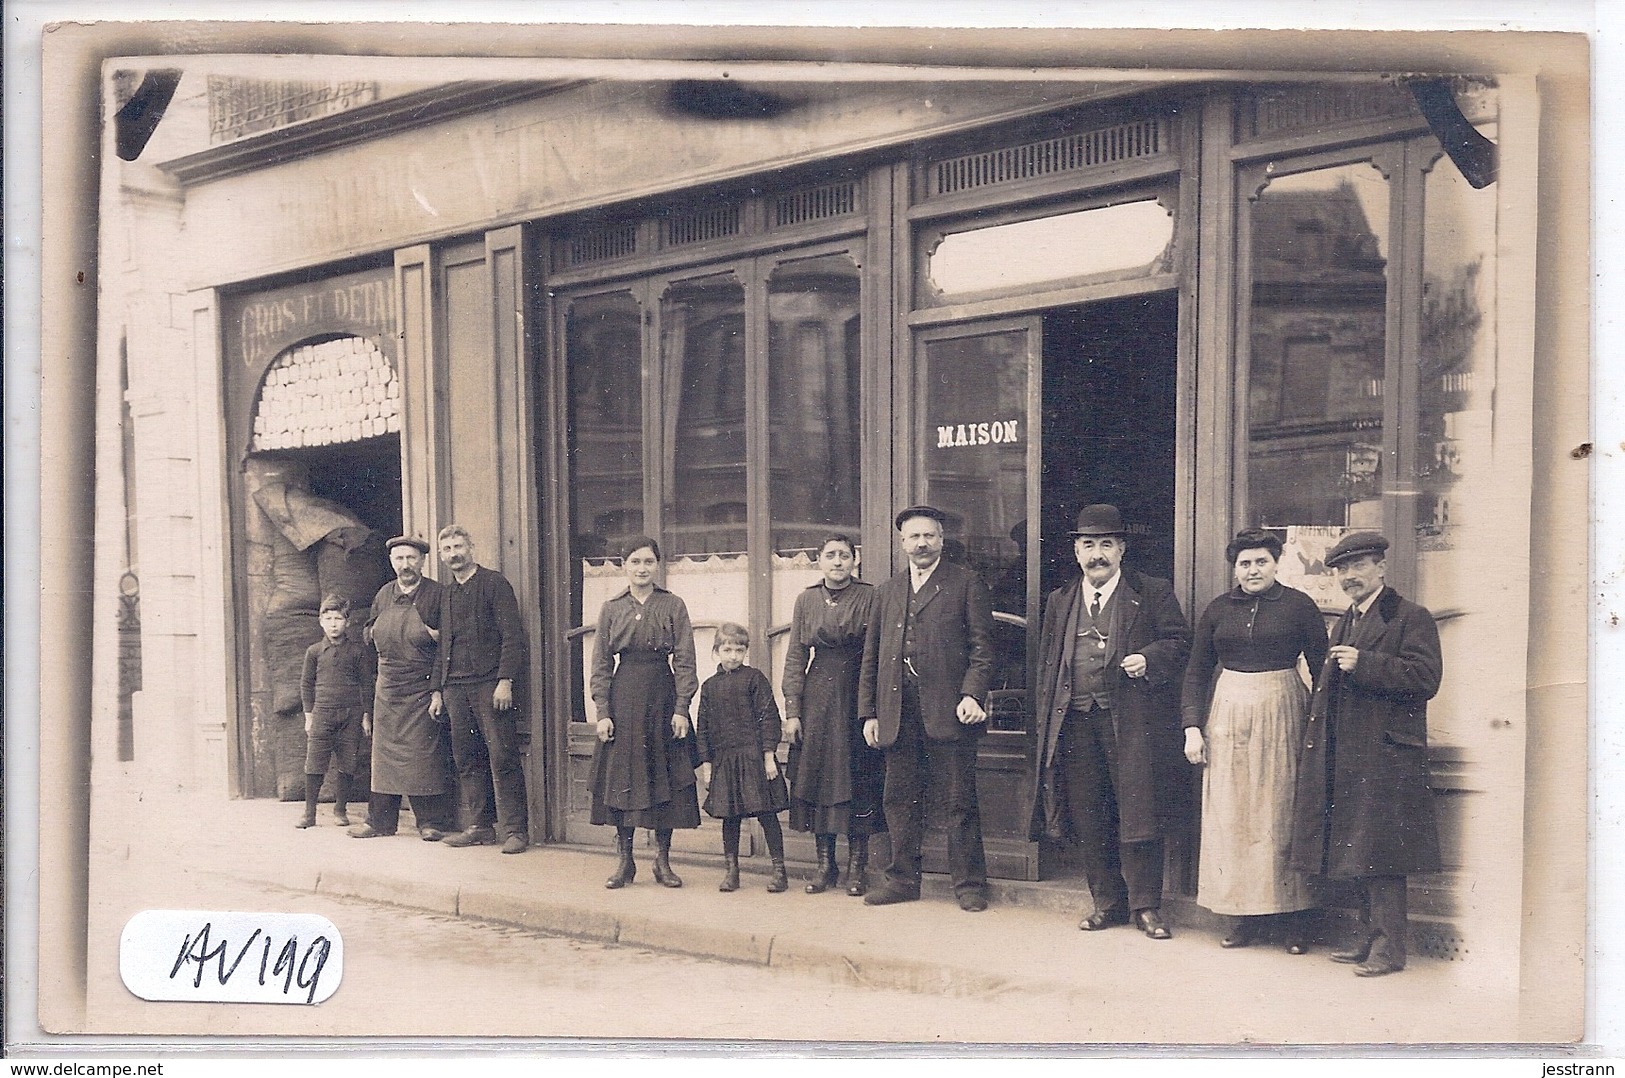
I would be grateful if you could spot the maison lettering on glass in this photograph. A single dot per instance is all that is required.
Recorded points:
(995, 432)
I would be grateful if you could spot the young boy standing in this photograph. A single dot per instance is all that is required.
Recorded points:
(337, 689)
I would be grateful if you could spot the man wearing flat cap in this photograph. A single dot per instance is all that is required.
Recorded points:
(1112, 770)
(1363, 810)
(411, 749)
(922, 695)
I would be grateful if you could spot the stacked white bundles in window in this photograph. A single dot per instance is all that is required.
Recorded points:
(342, 390)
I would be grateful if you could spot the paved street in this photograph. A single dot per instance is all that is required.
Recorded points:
(525, 983)
(450, 942)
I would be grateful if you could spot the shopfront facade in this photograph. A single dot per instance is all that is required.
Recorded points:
(567, 314)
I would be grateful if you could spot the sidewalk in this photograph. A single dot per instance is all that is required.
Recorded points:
(1126, 988)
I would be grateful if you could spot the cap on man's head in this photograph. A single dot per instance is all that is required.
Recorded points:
(1354, 545)
(921, 511)
(407, 540)
(1099, 520)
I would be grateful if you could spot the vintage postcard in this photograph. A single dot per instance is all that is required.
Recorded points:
(804, 535)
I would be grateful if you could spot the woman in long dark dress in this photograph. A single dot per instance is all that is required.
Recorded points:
(643, 679)
(836, 779)
(1249, 737)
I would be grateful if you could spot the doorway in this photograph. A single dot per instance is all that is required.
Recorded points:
(1110, 403)
(1110, 378)
(316, 522)
(1098, 382)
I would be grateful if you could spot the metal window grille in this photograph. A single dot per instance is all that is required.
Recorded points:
(1068, 153)
(603, 245)
(708, 224)
(815, 204)
(1315, 107)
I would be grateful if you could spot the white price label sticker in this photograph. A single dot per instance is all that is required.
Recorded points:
(229, 957)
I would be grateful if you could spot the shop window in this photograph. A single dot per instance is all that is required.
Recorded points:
(1457, 524)
(753, 417)
(605, 341)
(1368, 332)
(813, 421)
(1456, 369)
(702, 353)
(814, 425)
(1317, 334)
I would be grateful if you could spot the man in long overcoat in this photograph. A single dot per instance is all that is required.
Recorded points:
(922, 693)
(1363, 809)
(1112, 770)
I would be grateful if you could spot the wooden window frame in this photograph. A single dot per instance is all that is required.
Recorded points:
(1404, 163)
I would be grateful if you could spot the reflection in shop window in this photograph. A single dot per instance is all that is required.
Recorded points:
(813, 420)
(702, 345)
(975, 454)
(975, 449)
(605, 360)
(1455, 365)
(1318, 335)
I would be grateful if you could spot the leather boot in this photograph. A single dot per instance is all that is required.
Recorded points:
(1356, 951)
(1242, 930)
(780, 880)
(825, 875)
(625, 869)
(341, 799)
(730, 879)
(857, 863)
(1298, 925)
(313, 787)
(664, 876)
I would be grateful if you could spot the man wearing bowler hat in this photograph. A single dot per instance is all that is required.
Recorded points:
(1363, 810)
(1112, 770)
(922, 695)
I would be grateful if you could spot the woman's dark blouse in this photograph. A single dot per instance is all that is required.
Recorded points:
(737, 713)
(1252, 633)
(660, 623)
(823, 619)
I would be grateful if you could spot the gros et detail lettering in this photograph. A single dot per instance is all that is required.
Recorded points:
(993, 432)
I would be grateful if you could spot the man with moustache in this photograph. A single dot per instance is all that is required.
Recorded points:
(922, 692)
(1363, 809)
(411, 749)
(1112, 770)
(482, 654)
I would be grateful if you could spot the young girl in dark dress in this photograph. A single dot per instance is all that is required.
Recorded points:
(643, 678)
(836, 779)
(738, 733)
